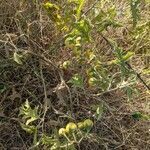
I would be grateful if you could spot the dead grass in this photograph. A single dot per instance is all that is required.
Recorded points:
(24, 26)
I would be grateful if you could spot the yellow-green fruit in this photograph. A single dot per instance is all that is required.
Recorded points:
(66, 64)
(80, 125)
(92, 81)
(62, 131)
(71, 127)
(88, 123)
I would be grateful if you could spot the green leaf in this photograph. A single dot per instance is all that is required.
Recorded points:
(2, 88)
(46, 140)
(53, 13)
(80, 4)
(137, 115)
(50, 7)
(146, 71)
(84, 27)
(80, 8)
(134, 5)
(18, 58)
(105, 19)
(128, 55)
(99, 111)
(76, 80)
(124, 58)
(28, 113)
(28, 129)
(129, 92)
(79, 34)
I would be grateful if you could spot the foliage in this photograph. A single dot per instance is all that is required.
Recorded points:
(77, 31)
(65, 138)
(69, 57)
(135, 11)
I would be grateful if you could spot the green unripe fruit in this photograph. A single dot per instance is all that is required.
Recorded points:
(92, 81)
(62, 131)
(88, 123)
(71, 127)
(81, 125)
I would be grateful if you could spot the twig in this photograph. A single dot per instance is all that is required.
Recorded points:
(112, 90)
(45, 98)
(138, 75)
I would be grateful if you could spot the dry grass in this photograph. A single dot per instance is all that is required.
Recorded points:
(24, 26)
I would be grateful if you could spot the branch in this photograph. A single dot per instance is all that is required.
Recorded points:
(127, 64)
